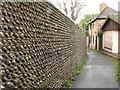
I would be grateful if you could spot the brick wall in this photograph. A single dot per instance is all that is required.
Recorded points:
(94, 32)
(40, 46)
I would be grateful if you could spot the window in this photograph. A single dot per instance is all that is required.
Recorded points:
(93, 24)
(90, 26)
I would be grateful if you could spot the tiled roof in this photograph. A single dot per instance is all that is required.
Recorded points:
(104, 13)
(115, 18)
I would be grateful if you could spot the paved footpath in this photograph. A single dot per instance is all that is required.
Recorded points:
(99, 72)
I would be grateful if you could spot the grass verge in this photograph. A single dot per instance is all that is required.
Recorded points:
(117, 69)
(77, 71)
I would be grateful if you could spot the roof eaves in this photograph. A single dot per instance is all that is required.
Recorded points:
(104, 23)
(109, 17)
(115, 20)
(96, 17)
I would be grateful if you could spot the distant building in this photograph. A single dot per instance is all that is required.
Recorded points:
(93, 41)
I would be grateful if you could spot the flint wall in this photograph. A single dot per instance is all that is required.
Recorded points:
(40, 46)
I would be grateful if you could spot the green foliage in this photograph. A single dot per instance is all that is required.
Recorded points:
(84, 22)
(69, 84)
(73, 78)
(94, 50)
(116, 72)
(100, 34)
(117, 69)
(87, 33)
(77, 71)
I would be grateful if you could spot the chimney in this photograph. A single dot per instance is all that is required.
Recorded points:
(102, 6)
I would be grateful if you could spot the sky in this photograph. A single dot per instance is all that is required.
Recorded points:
(92, 6)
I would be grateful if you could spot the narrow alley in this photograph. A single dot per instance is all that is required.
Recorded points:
(99, 72)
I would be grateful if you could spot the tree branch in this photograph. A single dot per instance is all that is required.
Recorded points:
(65, 7)
(80, 6)
(59, 4)
(75, 7)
